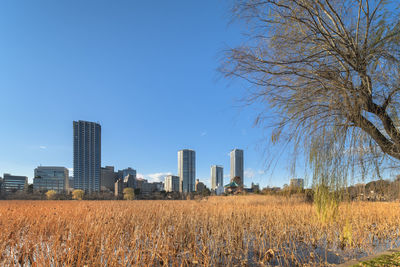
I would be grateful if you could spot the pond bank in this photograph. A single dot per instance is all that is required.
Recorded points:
(385, 258)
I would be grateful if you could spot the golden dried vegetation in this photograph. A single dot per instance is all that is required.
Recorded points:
(218, 231)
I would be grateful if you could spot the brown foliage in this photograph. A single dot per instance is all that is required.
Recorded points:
(220, 231)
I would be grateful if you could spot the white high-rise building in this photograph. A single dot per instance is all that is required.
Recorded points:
(217, 176)
(237, 166)
(186, 170)
(171, 183)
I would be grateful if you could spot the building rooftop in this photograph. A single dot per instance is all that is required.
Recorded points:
(232, 184)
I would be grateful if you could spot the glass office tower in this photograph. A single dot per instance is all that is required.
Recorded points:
(217, 176)
(237, 168)
(186, 170)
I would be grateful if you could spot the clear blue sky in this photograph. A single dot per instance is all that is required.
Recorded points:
(146, 70)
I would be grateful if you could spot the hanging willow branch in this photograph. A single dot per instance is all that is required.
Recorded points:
(330, 72)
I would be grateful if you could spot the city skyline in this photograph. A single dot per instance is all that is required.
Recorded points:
(77, 125)
(152, 74)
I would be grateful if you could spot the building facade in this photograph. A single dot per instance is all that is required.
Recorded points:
(186, 170)
(128, 171)
(200, 186)
(87, 155)
(149, 188)
(171, 183)
(51, 178)
(71, 182)
(217, 176)
(296, 183)
(118, 187)
(12, 183)
(129, 174)
(107, 178)
(130, 181)
(237, 166)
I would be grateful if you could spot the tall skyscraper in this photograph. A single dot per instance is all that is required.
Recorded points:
(186, 170)
(237, 166)
(87, 156)
(217, 176)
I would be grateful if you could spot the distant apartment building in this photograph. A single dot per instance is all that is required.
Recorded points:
(118, 187)
(51, 178)
(171, 183)
(71, 182)
(237, 166)
(148, 188)
(129, 177)
(140, 182)
(199, 186)
(186, 170)
(130, 181)
(219, 190)
(13, 183)
(127, 171)
(87, 155)
(217, 176)
(107, 178)
(296, 183)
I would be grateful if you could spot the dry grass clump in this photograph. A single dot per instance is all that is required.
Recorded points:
(237, 230)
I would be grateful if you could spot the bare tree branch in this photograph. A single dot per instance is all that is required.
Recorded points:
(330, 71)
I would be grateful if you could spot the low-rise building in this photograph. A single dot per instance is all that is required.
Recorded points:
(140, 182)
(107, 178)
(199, 186)
(51, 178)
(219, 190)
(148, 188)
(13, 183)
(296, 184)
(232, 187)
(255, 187)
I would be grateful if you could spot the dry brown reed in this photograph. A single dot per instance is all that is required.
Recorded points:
(218, 231)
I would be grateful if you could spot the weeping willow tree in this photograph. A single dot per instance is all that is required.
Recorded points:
(328, 71)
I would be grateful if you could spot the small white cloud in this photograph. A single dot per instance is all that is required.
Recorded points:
(43, 147)
(139, 175)
(154, 177)
(71, 171)
(249, 173)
